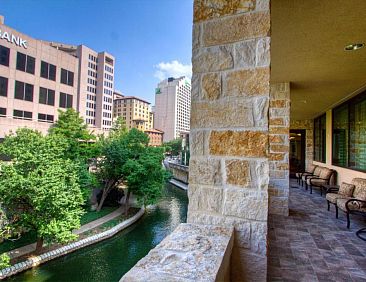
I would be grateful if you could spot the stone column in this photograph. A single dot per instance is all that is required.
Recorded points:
(279, 124)
(308, 125)
(229, 167)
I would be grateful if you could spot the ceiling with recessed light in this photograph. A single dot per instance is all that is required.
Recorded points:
(308, 50)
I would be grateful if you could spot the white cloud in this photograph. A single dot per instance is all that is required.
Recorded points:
(172, 69)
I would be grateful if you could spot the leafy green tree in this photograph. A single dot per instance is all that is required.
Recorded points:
(39, 188)
(119, 127)
(81, 142)
(128, 160)
(145, 176)
(174, 146)
(4, 261)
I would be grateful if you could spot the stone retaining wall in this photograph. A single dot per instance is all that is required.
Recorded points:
(180, 172)
(36, 260)
(191, 253)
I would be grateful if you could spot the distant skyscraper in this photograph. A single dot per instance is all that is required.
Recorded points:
(96, 84)
(173, 107)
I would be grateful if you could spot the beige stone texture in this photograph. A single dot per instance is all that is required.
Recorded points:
(279, 148)
(191, 253)
(211, 59)
(234, 29)
(277, 139)
(206, 10)
(217, 115)
(245, 54)
(243, 83)
(238, 143)
(197, 141)
(238, 172)
(205, 171)
(276, 156)
(245, 204)
(196, 87)
(196, 36)
(278, 130)
(262, 49)
(211, 86)
(203, 198)
(277, 121)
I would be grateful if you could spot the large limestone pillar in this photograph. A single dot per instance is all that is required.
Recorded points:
(229, 167)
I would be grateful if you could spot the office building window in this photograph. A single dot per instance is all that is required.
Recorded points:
(67, 77)
(320, 139)
(3, 86)
(22, 114)
(48, 71)
(2, 112)
(25, 63)
(46, 96)
(65, 100)
(23, 91)
(45, 118)
(4, 56)
(349, 134)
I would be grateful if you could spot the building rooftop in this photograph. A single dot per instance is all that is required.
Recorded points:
(154, 130)
(132, 97)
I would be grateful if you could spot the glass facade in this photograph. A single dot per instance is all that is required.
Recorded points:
(320, 139)
(349, 134)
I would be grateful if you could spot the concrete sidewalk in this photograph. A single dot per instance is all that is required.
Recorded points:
(32, 247)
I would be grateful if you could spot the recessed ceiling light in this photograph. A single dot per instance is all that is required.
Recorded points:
(353, 47)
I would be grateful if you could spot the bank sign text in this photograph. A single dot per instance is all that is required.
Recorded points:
(13, 39)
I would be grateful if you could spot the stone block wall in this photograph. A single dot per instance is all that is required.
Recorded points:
(179, 172)
(279, 124)
(308, 125)
(229, 167)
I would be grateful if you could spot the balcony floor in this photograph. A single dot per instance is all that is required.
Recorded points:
(312, 245)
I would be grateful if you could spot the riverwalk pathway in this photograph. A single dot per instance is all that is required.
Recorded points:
(15, 253)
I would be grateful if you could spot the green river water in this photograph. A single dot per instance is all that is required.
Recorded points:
(110, 259)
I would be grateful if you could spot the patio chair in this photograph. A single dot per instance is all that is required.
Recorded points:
(345, 191)
(310, 171)
(327, 176)
(356, 204)
(304, 177)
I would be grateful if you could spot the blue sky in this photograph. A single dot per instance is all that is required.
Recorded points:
(151, 39)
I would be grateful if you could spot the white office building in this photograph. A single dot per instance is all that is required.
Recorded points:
(173, 107)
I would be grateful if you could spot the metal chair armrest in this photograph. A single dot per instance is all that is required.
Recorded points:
(332, 190)
(353, 200)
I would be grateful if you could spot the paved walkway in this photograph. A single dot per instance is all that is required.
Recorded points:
(312, 245)
(32, 247)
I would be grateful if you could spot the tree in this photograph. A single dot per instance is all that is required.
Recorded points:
(145, 176)
(116, 151)
(4, 260)
(72, 127)
(174, 146)
(80, 144)
(39, 188)
(119, 127)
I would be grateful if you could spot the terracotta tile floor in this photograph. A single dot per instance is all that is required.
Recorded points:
(312, 245)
